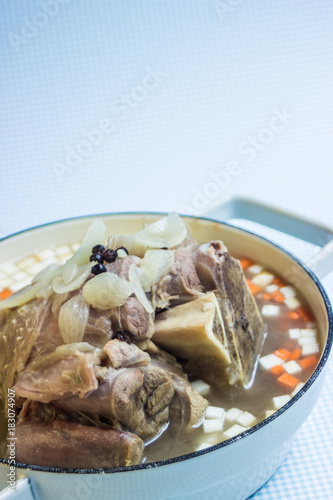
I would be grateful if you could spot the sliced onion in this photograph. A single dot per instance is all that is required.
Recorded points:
(95, 234)
(154, 265)
(45, 292)
(61, 286)
(164, 233)
(41, 281)
(46, 275)
(73, 317)
(58, 300)
(133, 248)
(69, 271)
(66, 278)
(107, 290)
(138, 290)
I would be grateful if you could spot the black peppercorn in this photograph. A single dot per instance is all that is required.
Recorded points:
(96, 257)
(98, 269)
(98, 249)
(109, 255)
(122, 336)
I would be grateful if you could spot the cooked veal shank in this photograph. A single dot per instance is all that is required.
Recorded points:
(93, 402)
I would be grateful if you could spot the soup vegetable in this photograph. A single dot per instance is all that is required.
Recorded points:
(145, 347)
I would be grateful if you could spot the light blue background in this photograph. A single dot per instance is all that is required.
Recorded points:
(228, 68)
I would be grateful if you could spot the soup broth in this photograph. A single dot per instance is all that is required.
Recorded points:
(290, 354)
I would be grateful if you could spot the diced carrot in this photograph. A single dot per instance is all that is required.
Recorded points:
(245, 263)
(5, 293)
(278, 296)
(282, 353)
(278, 281)
(288, 380)
(267, 297)
(304, 314)
(309, 362)
(294, 315)
(277, 370)
(255, 289)
(274, 297)
(296, 354)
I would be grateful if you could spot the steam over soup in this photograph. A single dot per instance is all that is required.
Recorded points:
(145, 347)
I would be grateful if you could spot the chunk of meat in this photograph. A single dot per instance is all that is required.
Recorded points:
(134, 319)
(243, 324)
(72, 375)
(123, 355)
(131, 317)
(19, 334)
(68, 444)
(137, 399)
(188, 406)
(98, 329)
(181, 284)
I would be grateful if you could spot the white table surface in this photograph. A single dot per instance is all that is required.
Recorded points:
(194, 100)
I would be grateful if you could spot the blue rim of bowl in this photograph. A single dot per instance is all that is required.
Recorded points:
(230, 441)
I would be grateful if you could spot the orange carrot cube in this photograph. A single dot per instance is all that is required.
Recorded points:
(288, 380)
(5, 293)
(255, 289)
(245, 263)
(283, 354)
(309, 362)
(277, 370)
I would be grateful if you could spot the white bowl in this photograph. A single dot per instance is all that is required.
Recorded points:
(233, 469)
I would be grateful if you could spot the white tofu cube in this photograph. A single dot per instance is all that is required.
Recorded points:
(297, 388)
(280, 401)
(45, 254)
(213, 425)
(272, 288)
(292, 302)
(255, 269)
(312, 348)
(214, 412)
(270, 310)
(75, 246)
(15, 287)
(203, 446)
(232, 414)
(246, 419)
(288, 291)
(307, 340)
(308, 332)
(263, 279)
(267, 362)
(20, 276)
(233, 431)
(292, 367)
(64, 250)
(269, 413)
(201, 387)
(36, 268)
(6, 282)
(294, 333)
(9, 268)
(25, 263)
